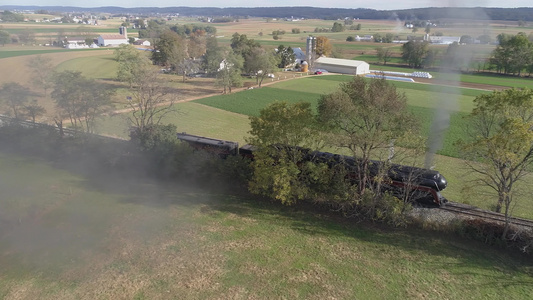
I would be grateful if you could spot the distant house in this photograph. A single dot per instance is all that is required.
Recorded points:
(113, 40)
(343, 66)
(75, 42)
(142, 43)
(442, 40)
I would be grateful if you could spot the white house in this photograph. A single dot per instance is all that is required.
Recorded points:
(142, 43)
(343, 66)
(75, 42)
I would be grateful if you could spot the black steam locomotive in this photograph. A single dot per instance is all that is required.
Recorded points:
(422, 185)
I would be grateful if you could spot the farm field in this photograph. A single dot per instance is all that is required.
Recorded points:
(67, 234)
(230, 121)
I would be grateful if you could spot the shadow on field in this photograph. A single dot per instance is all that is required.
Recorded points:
(132, 184)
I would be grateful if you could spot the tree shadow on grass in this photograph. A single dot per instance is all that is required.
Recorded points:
(133, 185)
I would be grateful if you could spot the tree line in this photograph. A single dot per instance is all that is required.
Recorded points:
(430, 13)
(512, 56)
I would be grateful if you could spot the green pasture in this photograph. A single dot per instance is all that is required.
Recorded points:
(423, 101)
(70, 233)
(190, 117)
(12, 52)
(101, 66)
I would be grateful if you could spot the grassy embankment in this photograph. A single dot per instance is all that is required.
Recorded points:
(67, 235)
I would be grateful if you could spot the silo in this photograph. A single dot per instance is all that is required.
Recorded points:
(304, 66)
(123, 31)
(311, 47)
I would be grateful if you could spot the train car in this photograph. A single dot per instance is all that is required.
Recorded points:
(218, 147)
(421, 185)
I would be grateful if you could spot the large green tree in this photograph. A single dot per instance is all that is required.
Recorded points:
(500, 148)
(261, 62)
(229, 72)
(414, 52)
(170, 50)
(132, 64)
(281, 133)
(214, 54)
(513, 53)
(286, 56)
(366, 117)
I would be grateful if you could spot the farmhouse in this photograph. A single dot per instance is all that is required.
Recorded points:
(142, 43)
(343, 66)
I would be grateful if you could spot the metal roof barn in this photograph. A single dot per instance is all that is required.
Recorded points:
(343, 66)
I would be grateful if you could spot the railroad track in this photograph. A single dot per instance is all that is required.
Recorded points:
(477, 212)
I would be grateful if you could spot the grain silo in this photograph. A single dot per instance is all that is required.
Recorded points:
(311, 47)
(304, 66)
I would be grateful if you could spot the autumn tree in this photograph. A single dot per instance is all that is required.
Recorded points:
(323, 46)
(500, 144)
(282, 133)
(14, 96)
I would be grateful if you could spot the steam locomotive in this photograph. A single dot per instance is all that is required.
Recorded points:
(422, 185)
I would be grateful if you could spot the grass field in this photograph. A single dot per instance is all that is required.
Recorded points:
(422, 100)
(71, 235)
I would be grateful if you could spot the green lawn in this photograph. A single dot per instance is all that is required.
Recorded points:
(72, 235)
(12, 52)
(101, 66)
(423, 100)
(192, 118)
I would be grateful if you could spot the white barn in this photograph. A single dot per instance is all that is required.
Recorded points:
(112, 40)
(343, 66)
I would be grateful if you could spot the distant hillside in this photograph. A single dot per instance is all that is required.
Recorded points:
(431, 13)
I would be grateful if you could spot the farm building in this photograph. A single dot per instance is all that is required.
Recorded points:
(142, 43)
(111, 40)
(343, 66)
(114, 39)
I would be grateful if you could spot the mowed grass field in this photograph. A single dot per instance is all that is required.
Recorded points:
(67, 234)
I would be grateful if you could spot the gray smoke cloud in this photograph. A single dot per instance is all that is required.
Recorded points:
(448, 102)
